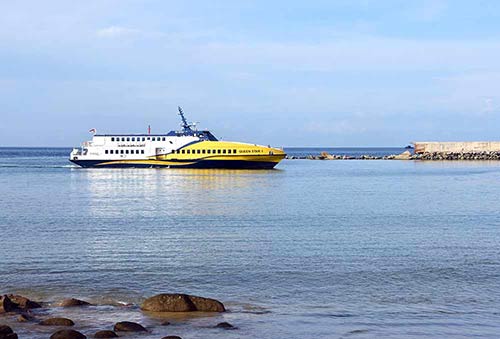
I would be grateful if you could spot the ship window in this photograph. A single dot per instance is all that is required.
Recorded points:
(198, 151)
(133, 139)
(148, 138)
(203, 151)
(112, 139)
(142, 151)
(188, 151)
(224, 151)
(111, 151)
(106, 152)
(128, 139)
(123, 139)
(218, 151)
(126, 151)
(214, 151)
(234, 151)
(228, 151)
(183, 151)
(121, 151)
(143, 139)
(163, 139)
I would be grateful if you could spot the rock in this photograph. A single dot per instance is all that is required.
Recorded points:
(6, 305)
(406, 155)
(4, 329)
(67, 334)
(172, 337)
(57, 322)
(181, 303)
(7, 333)
(128, 326)
(105, 334)
(225, 325)
(23, 302)
(9, 336)
(72, 302)
(326, 156)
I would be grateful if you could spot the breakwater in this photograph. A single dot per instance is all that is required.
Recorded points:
(407, 155)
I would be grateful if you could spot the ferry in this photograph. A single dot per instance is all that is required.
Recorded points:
(185, 148)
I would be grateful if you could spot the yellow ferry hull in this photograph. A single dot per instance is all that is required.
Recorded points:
(267, 162)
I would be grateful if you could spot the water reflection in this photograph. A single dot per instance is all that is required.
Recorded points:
(170, 191)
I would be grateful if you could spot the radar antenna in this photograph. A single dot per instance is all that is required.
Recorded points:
(184, 124)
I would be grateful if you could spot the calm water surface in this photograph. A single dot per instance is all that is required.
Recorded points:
(323, 249)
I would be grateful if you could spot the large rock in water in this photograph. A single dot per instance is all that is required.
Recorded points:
(72, 302)
(181, 303)
(57, 322)
(7, 333)
(67, 334)
(6, 305)
(23, 303)
(105, 334)
(225, 325)
(128, 326)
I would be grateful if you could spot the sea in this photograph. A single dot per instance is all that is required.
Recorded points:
(311, 249)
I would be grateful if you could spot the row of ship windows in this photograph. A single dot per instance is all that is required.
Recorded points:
(124, 151)
(204, 151)
(138, 139)
(182, 151)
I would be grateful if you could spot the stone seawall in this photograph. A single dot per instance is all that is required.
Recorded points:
(430, 156)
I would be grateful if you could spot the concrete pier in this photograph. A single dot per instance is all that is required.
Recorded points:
(422, 147)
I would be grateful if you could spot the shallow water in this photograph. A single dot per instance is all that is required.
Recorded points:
(333, 249)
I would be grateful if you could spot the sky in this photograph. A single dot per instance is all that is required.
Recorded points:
(285, 73)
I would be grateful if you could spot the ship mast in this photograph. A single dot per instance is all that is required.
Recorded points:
(186, 127)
